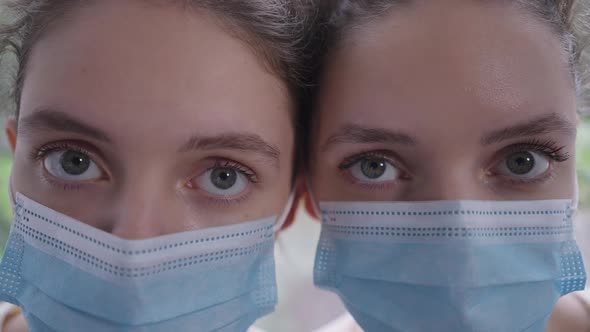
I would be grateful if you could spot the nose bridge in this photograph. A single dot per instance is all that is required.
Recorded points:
(145, 205)
(453, 181)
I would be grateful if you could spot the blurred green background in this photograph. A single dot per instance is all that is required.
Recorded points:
(583, 162)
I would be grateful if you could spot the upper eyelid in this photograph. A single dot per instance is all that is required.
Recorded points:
(230, 164)
(92, 152)
(521, 180)
(359, 156)
(389, 156)
(560, 152)
(49, 149)
(539, 146)
(65, 145)
(210, 164)
(237, 166)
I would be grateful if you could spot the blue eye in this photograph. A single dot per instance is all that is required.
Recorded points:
(222, 181)
(71, 165)
(373, 170)
(524, 164)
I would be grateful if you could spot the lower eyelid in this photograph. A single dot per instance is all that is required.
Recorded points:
(384, 186)
(539, 180)
(367, 185)
(209, 199)
(546, 176)
(62, 185)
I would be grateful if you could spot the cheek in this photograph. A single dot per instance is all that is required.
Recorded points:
(564, 184)
(27, 180)
(26, 175)
(279, 194)
(269, 203)
(328, 184)
(271, 197)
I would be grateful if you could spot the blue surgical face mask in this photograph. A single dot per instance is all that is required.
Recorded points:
(450, 265)
(68, 276)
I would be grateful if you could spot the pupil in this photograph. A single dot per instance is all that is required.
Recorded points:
(521, 163)
(75, 163)
(373, 168)
(224, 178)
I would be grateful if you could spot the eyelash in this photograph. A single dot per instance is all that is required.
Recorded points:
(225, 163)
(351, 161)
(224, 201)
(388, 156)
(39, 153)
(549, 148)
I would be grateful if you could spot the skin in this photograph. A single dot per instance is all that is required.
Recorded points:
(152, 80)
(444, 93)
(172, 92)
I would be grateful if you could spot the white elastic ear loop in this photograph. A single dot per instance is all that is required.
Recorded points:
(576, 200)
(10, 194)
(283, 217)
(314, 202)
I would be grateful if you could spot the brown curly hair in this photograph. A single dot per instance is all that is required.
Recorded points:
(274, 29)
(569, 19)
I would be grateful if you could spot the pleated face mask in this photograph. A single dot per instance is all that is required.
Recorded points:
(449, 265)
(68, 276)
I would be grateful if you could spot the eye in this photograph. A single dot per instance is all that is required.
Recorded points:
(222, 181)
(71, 165)
(373, 169)
(524, 164)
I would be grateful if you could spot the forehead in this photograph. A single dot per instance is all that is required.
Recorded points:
(439, 62)
(137, 68)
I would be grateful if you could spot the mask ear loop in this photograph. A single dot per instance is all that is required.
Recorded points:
(576, 200)
(293, 202)
(311, 203)
(10, 194)
(575, 204)
(283, 217)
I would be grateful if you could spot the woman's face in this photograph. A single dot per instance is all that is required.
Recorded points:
(446, 100)
(145, 120)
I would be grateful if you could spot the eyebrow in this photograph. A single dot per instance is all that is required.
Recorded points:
(541, 125)
(352, 133)
(51, 120)
(234, 141)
